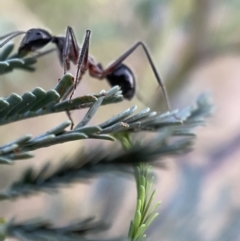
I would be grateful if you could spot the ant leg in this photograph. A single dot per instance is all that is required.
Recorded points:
(10, 36)
(81, 59)
(70, 50)
(70, 118)
(81, 56)
(82, 63)
(70, 37)
(65, 53)
(117, 62)
(74, 52)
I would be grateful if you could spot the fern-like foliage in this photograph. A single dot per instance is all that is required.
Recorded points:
(144, 214)
(172, 137)
(123, 122)
(87, 163)
(44, 231)
(40, 102)
(9, 63)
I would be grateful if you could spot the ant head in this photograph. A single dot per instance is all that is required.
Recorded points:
(34, 39)
(123, 77)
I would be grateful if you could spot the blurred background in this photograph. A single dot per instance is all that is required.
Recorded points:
(195, 45)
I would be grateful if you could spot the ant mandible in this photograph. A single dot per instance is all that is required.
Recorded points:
(116, 73)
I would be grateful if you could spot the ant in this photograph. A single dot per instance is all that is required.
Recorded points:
(116, 73)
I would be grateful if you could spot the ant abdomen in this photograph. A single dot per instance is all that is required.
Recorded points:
(123, 77)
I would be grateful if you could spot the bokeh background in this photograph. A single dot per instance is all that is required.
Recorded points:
(196, 47)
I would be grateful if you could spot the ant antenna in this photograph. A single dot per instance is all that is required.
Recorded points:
(10, 36)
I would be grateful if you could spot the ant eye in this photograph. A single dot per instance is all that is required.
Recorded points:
(38, 33)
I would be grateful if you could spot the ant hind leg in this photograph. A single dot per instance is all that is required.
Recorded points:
(119, 61)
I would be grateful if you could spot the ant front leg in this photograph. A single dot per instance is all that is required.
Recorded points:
(79, 56)
(82, 64)
(10, 36)
(70, 50)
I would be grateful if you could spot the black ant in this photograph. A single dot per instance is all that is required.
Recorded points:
(116, 73)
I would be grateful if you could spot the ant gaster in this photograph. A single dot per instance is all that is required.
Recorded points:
(116, 73)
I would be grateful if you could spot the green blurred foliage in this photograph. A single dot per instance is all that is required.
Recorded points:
(183, 37)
